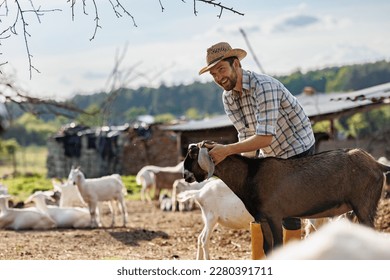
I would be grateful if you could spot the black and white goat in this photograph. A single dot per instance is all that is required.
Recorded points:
(322, 185)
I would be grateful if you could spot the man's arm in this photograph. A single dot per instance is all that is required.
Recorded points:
(219, 152)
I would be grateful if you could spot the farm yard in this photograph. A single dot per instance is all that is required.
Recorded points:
(151, 234)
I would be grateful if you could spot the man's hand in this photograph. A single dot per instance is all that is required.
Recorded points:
(218, 152)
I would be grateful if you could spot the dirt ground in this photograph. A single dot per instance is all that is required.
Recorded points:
(150, 234)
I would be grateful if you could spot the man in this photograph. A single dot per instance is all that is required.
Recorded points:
(268, 118)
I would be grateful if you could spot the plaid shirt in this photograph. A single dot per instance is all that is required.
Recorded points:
(266, 107)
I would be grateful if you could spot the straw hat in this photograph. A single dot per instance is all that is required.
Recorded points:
(218, 52)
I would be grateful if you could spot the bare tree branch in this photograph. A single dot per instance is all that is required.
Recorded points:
(117, 6)
(20, 18)
(96, 20)
(216, 4)
(10, 93)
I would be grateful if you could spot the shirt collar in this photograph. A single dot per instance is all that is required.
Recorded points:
(245, 80)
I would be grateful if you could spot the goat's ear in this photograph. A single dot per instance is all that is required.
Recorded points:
(207, 144)
(205, 162)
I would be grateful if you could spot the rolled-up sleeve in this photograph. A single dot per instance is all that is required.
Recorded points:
(267, 108)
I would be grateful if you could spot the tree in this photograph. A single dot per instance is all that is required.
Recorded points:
(17, 14)
(15, 17)
(9, 147)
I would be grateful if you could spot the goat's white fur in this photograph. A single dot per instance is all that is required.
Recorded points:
(70, 195)
(339, 240)
(179, 186)
(146, 179)
(219, 205)
(23, 219)
(64, 217)
(106, 188)
(205, 161)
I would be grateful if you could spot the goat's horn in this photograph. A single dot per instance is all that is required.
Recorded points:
(205, 162)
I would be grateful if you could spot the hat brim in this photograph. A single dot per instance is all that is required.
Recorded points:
(239, 53)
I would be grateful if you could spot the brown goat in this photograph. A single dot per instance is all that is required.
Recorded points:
(322, 185)
(165, 180)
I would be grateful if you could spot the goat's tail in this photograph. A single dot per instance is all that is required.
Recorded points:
(119, 179)
(186, 195)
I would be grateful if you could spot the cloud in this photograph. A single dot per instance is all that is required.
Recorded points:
(341, 54)
(298, 21)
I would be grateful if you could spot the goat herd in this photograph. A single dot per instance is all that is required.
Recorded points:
(78, 203)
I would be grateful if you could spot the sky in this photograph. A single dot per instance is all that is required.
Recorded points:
(170, 46)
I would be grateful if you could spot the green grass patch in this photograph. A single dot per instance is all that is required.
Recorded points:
(31, 172)
(22, 187)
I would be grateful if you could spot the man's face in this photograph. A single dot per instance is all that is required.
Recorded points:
(224, 75)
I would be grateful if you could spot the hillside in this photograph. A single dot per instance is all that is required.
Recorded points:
(125, 104)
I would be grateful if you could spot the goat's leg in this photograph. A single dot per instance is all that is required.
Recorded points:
(267, 237)
(147, 193)
(112, 210)
(142, 193)
(199, 253)
(122, 202)
(92, 211)
(204, 238)
(365, 207)
(277, 231)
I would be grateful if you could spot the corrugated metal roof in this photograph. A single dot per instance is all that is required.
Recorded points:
(314, 105)
(330, 103)
(210, 123)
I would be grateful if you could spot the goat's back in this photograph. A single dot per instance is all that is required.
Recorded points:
(349, 177)
(165, 180)
(103, 188)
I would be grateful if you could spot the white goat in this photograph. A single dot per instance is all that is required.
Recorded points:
(105, 188)
(23, 219)
(65, 217)
(219, 205)
(147, 179)
(179, 186)
(70, 195)
(339, 240)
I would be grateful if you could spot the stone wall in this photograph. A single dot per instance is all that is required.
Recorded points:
(127, 153)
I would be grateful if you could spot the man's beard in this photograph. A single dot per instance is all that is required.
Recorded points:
(230, 84)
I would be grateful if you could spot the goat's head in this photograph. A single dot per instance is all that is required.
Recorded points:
(198, 165)
(74, 175)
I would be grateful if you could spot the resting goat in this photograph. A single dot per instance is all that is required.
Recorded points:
(65, 217)
(322, 185)
(23, 219)
(70, 195)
